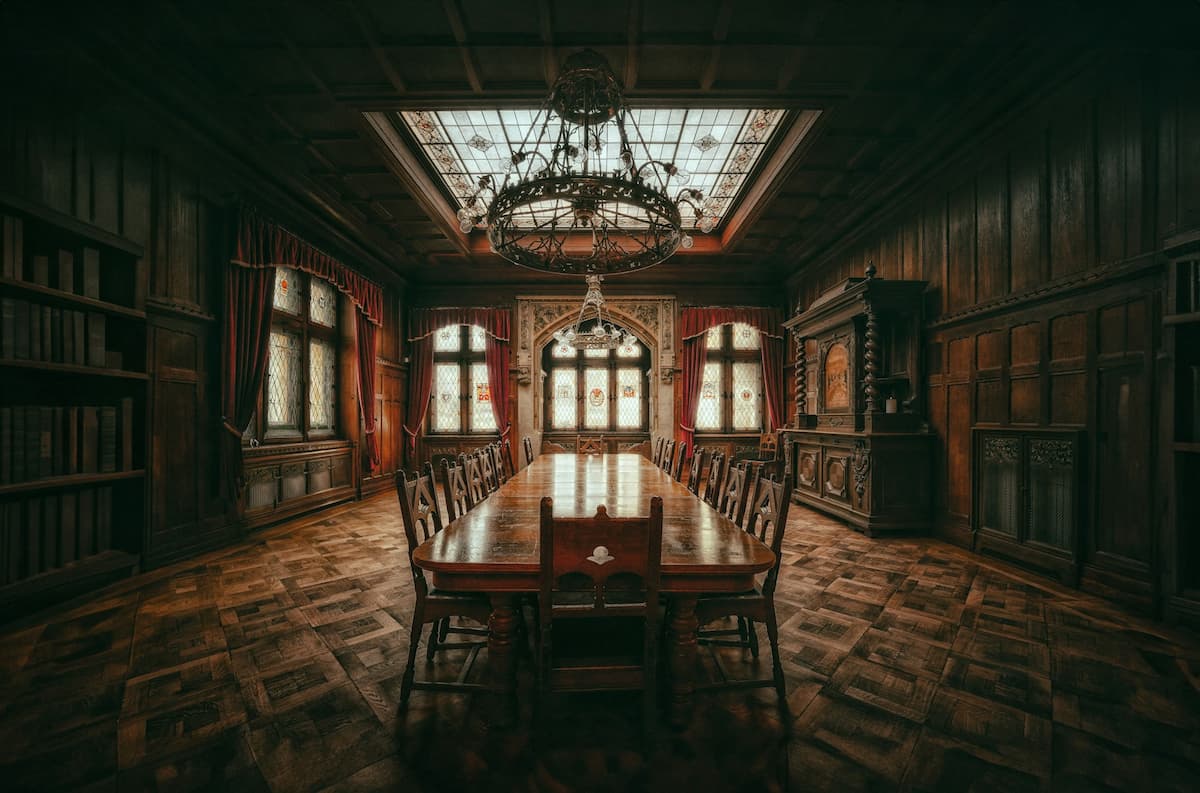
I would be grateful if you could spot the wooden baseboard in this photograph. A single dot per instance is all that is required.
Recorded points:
(33, 594)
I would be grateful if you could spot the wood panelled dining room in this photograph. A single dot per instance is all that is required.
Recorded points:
(552, 396)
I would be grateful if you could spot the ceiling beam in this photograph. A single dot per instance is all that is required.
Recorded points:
(633, 35)
(719, 34)
(455, 18)
(546, 33)
(366, 28)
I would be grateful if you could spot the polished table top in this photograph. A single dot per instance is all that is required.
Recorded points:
(498, 539)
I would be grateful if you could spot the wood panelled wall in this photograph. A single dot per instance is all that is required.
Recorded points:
(101, 161)
(1041, 248)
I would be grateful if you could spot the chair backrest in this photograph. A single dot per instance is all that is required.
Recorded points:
(454, 485)
(668, 452)
(601, 555)
(487, 468)
(476, 490)
(656, 458)
(712, 490)
(695, 471)
(677, 469)
(589, 445)
(419, 513)
(733, 494)
(506, 459)
(528, 444)
(498, 462)
(768, 444)
(766, 519)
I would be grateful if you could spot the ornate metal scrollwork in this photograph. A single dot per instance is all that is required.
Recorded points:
(1058, 454)
(1001, 450)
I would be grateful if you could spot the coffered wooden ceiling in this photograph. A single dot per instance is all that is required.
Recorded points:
(897, 84)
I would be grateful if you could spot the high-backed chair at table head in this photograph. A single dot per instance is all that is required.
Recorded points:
(598, 606)
(422, 519)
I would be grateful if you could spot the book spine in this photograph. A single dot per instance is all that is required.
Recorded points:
(67, 545)
(8, 337)
(47, 333)
(89, 459)
(108, 439)
(45, 442)
(41, 270)
(50, 558)
(68, 336)
(66, 271)
(16, 544)
(33, 536)
(91, 273)
(127, 434)
(21, 340)
(5, 446)
(34, 320)
(71, 433)
(104, 518)
(86, 519)
(80, 329)
(56, 335)
(33, 443)
(96, 350)
(57, 463)
(18, 444)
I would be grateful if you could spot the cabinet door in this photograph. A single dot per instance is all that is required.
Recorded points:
(1123, 466)
(808, 468)
(999, 484)
(836, 471)
(1053, 466)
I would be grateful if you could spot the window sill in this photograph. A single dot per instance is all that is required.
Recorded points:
(273, 448)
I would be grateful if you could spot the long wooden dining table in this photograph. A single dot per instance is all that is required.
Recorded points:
(493, 549)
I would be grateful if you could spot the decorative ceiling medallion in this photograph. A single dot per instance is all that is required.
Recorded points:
(706, 143)
(479, 142)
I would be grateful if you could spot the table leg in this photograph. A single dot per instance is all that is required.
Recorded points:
(682, 656)
(502, 659)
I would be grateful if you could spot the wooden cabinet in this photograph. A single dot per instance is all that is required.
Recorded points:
(286, 480)
(1027, 497)
(1181, 403)
(72, 407)
(859, 448)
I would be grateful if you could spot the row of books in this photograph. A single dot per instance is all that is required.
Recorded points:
(37, 442)
(46, 532)
(62, 270)
(33, 332)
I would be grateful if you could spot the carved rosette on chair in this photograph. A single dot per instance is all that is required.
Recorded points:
(849, 456)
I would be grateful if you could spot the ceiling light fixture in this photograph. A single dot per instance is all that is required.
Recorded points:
(596, 211)
(602, 334)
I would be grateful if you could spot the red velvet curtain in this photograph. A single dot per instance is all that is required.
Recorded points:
(694, 324)
(245, 339)
(496, 323)
(365, 335)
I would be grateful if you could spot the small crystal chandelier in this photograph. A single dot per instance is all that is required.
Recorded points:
(583, 195)
(603, 334)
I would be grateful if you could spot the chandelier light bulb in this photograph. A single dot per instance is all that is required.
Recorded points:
(686, 241)
(707, 223)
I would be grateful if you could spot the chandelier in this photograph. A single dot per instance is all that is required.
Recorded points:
(602, 334)
(582, 195)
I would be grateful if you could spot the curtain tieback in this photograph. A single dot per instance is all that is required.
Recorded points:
(410, 432)
(507, 429)
(686, 428)
(227, 424)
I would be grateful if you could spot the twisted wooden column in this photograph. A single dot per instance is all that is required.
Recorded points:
(871, 350)
(801, 379)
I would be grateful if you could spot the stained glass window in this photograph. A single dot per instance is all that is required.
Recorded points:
(322, 382)
(719, 148)
(322, 302)
(562, 399)
(629, 399)
(708, 409)
(747, 396)
(462, 396)
(564, 351)
(731, 388)
(633, 350)
(446, 382)
(595, 353)
(483, 417)
(287, 290)
(283, 382)
(745, 337)
(595, 399)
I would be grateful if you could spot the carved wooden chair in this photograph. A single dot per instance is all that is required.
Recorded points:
(712, 490)
(497, 454)
(487, 467)
(676, 471)
(768, 512)
(735, 492)
(476, 490)
(422, 519)
(506, 460)
(668, 454)
(697, 468)
(528, 444)
(598, 608)
(590, 445)
(454, 486)
(656, 457)
(768, 445)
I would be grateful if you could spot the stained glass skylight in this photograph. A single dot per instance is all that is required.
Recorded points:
(718, 147)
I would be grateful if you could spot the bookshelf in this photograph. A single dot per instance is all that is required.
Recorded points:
(73, 357)
(1181, 343)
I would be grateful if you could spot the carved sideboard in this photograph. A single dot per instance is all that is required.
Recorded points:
(288, 479)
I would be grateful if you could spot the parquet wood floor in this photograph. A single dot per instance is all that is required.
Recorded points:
(276, 664)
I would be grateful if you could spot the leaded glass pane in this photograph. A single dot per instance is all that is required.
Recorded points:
(712, 341)
(446, 339)
(287, 290)
(708, 409)
(322, 380)
(563, 351)
(446, 416)
(595, 353)
(745, 337)
(629, 399)
(483, 417)
(595, 399)
(283, 381)
(629, 350)
(478, 339)
(562, 399)
(747, 396)
(322, 302)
